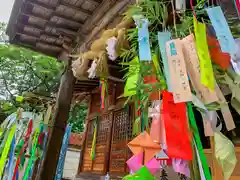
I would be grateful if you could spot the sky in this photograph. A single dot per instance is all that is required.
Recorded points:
(5, 10)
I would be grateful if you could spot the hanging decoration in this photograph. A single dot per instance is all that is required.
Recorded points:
(6, 149)
(59, 171)
(175, 132)
(177, 70)
(198, 144)
(225, 154)
(111, 48)
(222, 30)
(193, 68)
(163, 38)
(93, 148)
(135, 163)
(143, 143)
(103, 92)
(92, 70)
(207, 77)
(142, 173)
(143, 38)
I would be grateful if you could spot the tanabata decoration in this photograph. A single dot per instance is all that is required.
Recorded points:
(11, 159)
(143, 143)
(22, 148)
(93, 148)
(175, 120)
(235, 58)
(143, 37)
(227, 116)
(141, 174)
(200, 171)
(234, 86)
(131, 83)
(135, 163)
(199, 147)
(104, 91)
(237, 5)
(111, 48)
(6, 149)
(225, 154)
(180, 5)
(154, 113)
(222, 30)
(32, 157)
(92, 70)
(61, 160)
(178, 74)
(19, 99)
(181, 166)
(163, 38)
(207, 77)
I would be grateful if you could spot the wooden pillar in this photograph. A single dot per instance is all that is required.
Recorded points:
(63, 104)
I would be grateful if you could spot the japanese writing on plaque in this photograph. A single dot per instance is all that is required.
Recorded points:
(178, 73)
(193, 68)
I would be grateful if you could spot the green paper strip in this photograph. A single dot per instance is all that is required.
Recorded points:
(93, 149)
(6, 149)
(30, 162)
(198, 142)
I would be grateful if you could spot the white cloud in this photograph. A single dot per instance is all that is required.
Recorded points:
(5, 10)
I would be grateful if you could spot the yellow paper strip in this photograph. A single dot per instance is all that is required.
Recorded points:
(178, 73)
(6, 149)
(193, 68)
(207, 77)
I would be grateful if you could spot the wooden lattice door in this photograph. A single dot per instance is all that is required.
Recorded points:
(121, 135)
(104, 129)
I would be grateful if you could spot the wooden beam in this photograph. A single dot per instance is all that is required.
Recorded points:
(54, 23)
(38, 28)
(66, 32)
(76, 8)
(49, 6)
(65, 94)
(95, 1)
(67, 19)
(39, 40)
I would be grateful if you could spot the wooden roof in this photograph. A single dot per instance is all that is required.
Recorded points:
(54, 26)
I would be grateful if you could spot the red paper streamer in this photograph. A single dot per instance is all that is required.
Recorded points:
(176, 127)
(238, 5)
(26, 138)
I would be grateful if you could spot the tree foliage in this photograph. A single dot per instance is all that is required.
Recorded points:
(22, 70)
(77, 117)
(3, 36)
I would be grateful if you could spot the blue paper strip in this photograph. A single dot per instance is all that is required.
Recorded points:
(59, 171)
(164, 37)
(11, 159)
(143, 39)
(222, 30)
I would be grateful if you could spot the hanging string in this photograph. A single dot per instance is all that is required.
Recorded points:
(192, 7)
(174, 18)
